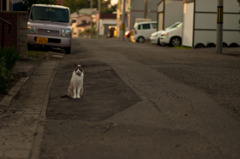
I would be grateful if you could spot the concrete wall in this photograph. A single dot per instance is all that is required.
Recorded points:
(17, 37)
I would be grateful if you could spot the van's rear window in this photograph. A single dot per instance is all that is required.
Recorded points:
(50, 14)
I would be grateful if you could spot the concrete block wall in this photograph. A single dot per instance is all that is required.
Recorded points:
(17, 37)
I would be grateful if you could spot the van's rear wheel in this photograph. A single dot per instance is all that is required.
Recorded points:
(141, 40)
(67, 50)
(176, 41)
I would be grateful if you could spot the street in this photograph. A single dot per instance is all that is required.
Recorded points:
(140, 101)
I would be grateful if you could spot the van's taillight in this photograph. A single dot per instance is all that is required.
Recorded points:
(135, 31)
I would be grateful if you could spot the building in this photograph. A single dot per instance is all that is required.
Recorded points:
(6, 5)
(169, 12)
(107, 21)
(84, 18)
(136, 9)
(200, 23)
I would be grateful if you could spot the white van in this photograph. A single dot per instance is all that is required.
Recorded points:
(143, 30)
(172, 36)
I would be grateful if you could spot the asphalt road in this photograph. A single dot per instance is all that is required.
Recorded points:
(144, 102)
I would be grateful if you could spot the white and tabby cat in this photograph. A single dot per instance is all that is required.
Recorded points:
(75, 89)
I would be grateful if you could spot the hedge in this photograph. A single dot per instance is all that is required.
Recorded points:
(8, 58)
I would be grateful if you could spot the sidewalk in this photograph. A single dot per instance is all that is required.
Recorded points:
(22, 126)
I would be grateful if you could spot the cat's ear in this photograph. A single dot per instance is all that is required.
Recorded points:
(83, 66)
(75, 65)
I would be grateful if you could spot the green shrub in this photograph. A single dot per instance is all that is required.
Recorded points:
(4, 76)
(8, 59)
(11, 56)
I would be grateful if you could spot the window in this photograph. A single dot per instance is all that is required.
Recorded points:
(146, 26)
(154, 25)
(139, 27)
(50, 14)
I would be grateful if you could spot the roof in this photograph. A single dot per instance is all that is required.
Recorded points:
(50, 5)
(84, 11)
(83, 25)
(107, 16)
(87, 11)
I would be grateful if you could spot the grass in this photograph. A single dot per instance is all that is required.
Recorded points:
(182, 47)
(37, 54)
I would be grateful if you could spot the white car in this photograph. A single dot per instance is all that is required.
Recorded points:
(173, 35)
(143, 30)
(155, 37)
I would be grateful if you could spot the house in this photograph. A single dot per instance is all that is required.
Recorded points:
(106, 21)
(135, 9)
(6, 5)
(169, 12)
(84, 18)
(200, 23)
(10, 5)
(13, 27)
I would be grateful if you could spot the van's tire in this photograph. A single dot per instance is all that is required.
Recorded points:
(141, 39)
(30, 47)
(67, 50)
(176, 41)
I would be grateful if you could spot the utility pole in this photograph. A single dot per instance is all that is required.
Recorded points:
(145, 8)
(91, 29)
(99, 13)
(123, 21)
(219, 26)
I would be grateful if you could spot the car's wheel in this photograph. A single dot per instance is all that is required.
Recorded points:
(158, 42)
(67, 50)
(141, 40)
(30, 47)
(199, 45)
(175, 41)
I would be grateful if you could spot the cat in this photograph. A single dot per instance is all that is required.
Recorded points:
(75, 89)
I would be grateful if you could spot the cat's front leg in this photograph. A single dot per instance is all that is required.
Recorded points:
(74, 93)
(78, 92)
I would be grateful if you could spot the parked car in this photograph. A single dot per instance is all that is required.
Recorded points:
(143, 30)
(49, 25)
(155, 37)
(173, 35)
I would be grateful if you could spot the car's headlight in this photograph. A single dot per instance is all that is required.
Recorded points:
(66, 32)
(164, 34)
(154, 35)
(31, 30)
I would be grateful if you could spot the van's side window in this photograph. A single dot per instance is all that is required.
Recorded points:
(154, 25)
(146, 26)
(139, 27)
